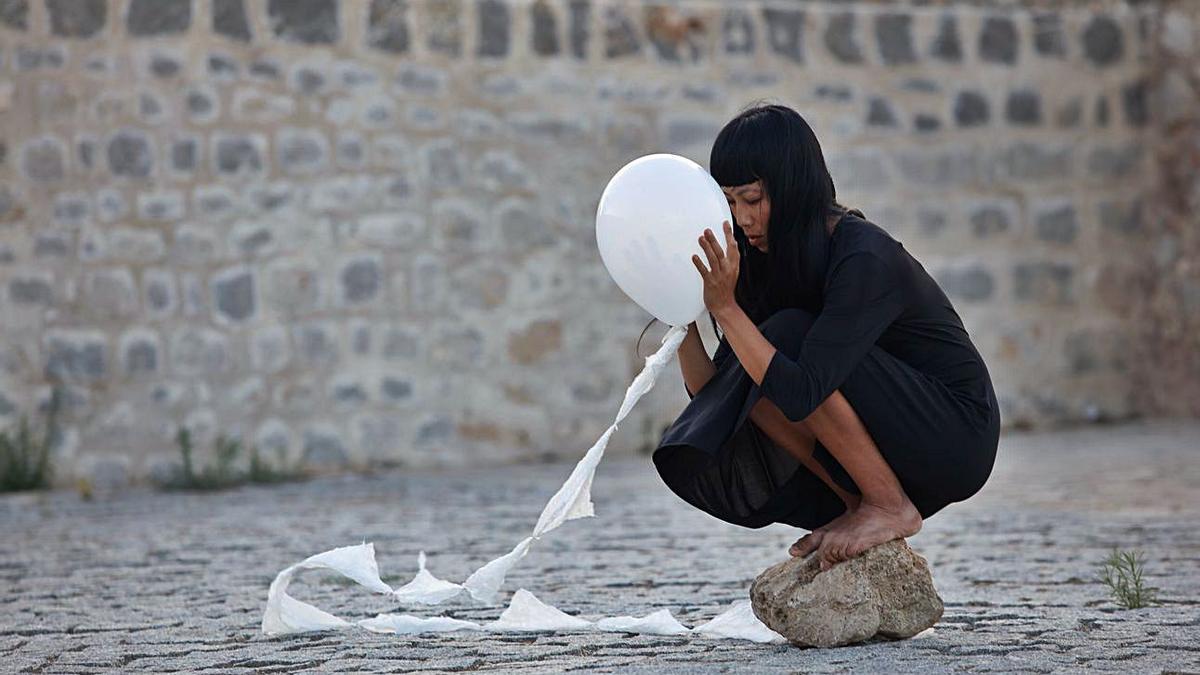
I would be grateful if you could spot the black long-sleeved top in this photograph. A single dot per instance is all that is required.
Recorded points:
(875, 293)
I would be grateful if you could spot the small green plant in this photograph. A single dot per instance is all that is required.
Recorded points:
(25, 459)
(1122, 573)
(263, 472)
(223, 472)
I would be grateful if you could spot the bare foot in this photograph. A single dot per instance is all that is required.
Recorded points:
(869, 525)
(809, 542)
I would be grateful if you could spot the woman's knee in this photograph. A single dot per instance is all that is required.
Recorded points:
(790, 322)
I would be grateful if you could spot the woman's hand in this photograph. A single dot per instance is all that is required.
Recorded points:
(721, 279)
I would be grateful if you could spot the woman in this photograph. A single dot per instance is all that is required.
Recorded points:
(845, 396)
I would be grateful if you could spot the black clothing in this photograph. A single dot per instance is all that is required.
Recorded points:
(888, 338)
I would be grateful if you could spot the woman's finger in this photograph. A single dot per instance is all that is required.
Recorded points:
(700, 266)
(731, 248)
(713, 262)
(716, 246)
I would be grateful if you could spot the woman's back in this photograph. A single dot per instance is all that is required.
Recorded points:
(928, 334)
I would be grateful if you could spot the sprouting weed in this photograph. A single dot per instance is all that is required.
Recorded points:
(1122, 573)
(224, 471)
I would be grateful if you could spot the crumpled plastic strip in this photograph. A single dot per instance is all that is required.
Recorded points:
(740, 622)
(655, 623)
(285, 614)
(572, 500)
(407, 624)
(426, 589)
(526, 612)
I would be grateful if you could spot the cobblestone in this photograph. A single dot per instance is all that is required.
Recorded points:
(144, 581)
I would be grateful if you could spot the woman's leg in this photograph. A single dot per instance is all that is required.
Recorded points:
(885, 511)
(888, 512)
(796, 438)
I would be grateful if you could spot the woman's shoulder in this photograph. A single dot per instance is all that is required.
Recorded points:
(855, 233)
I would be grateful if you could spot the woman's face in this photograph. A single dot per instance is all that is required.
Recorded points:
(751, 209)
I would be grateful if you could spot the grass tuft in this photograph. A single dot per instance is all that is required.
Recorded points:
(25, 458)
(223, 472)
(1122, 573)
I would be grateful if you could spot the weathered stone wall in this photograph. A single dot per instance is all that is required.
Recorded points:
(362, 231)
(1168, 316)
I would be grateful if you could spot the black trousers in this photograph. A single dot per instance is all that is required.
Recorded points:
(717, 459)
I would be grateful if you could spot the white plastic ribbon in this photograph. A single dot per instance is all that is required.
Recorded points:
(525, 612)
(285, 614)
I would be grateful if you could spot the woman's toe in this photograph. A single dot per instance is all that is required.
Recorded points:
(806, 544)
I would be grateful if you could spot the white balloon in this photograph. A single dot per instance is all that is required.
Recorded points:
(651, 214)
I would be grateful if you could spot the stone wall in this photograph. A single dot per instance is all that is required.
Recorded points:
(1168, 316)
(362, 232)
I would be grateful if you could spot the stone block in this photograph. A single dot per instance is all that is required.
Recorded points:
(158, 292)
(998, 42)
(1118, 161)
(880, 113)
(457, 346)
(1044, 282)
(316, 343)
(163, 206)
(323, 448)
(544, 38)
(238, 155)
(442, 27)
(493, 24)
(76, 18)
(886, 591)
(737, 32)
(198, 351)
(785, 32)
(973, 283)
(536, 342)
(990, 219)
(110, 292)
(140, 352)
(841, 38)
(234, 298)
(301, 151)
(971, 109)
(396, 389)
(148, 18)
(360, 280)
(311, 22)
(270, 350)
(1024, 107)
(387, 26)
(15, 14)
(621, 37)
(1103, 43)
(1049, 39)
(1056, 223)
(894, 35)
(578, 30)
(44, 160)
(76, 355)
(946, 44)
(229, 19)
(30, 290)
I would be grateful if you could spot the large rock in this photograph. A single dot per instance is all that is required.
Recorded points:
(887, 591)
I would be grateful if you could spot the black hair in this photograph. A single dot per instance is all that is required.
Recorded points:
(774, 143)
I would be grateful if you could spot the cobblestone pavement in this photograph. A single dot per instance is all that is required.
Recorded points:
(144, 581)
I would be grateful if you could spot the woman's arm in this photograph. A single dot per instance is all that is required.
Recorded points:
(694, 362)
(862, 298)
